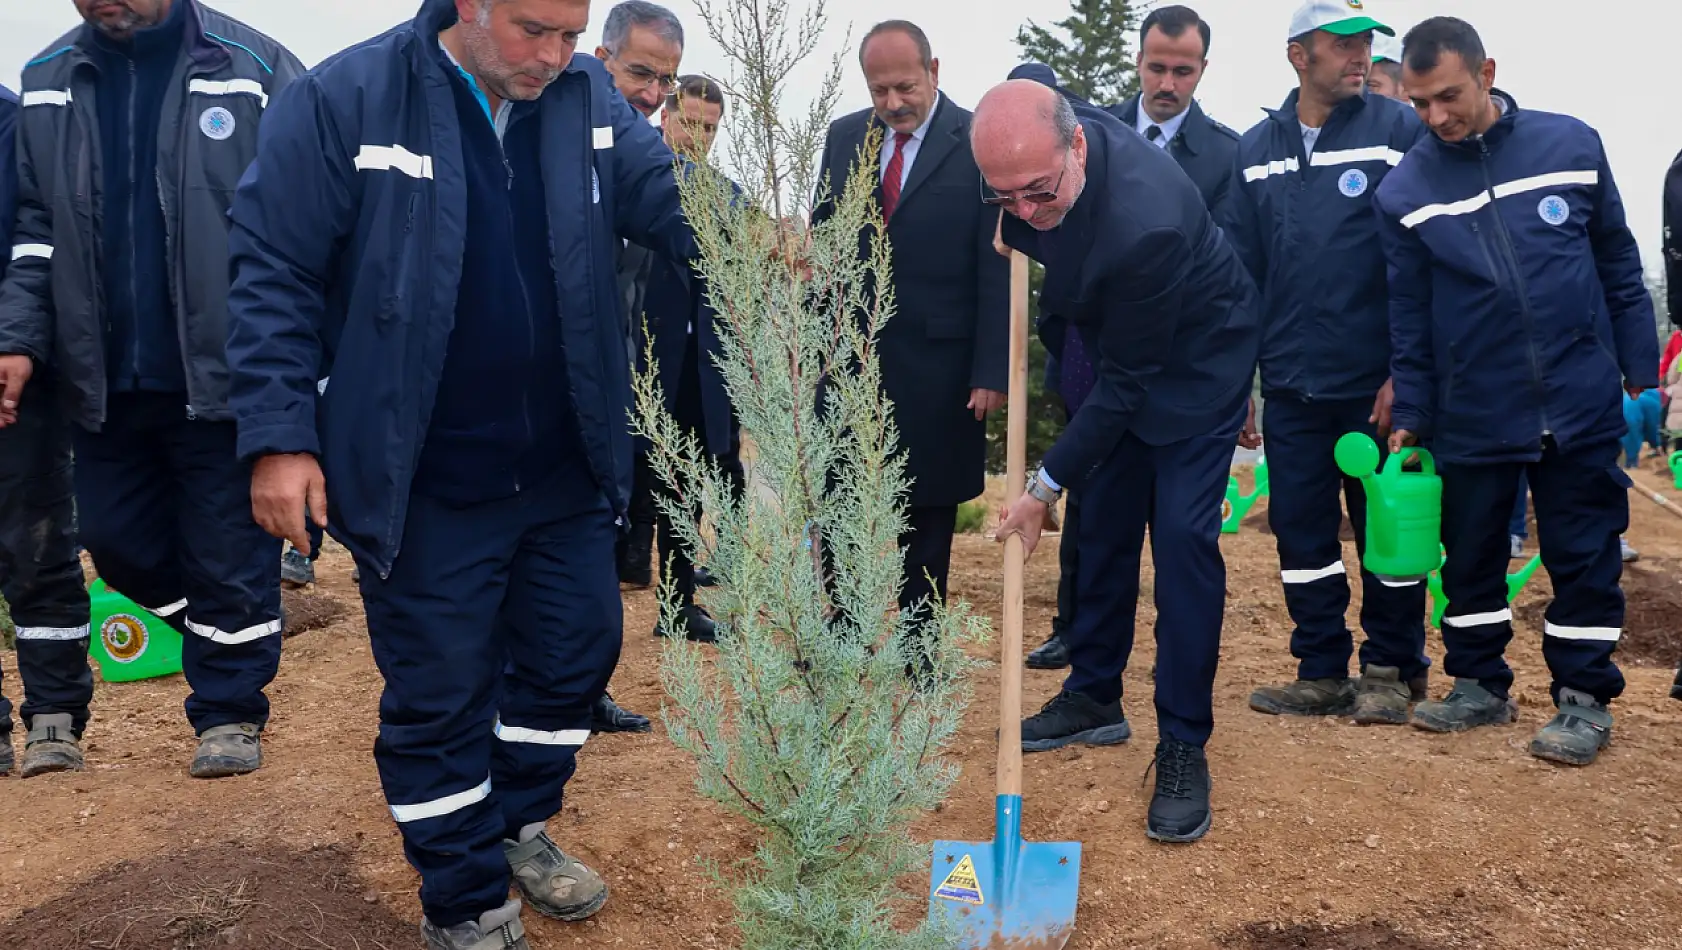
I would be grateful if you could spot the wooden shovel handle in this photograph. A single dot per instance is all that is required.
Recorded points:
(1016, 450)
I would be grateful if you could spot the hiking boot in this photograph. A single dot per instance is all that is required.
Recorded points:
(1628, 553)
(1381, 698)
(698, 626)
(554, 884)
(8, 759)
(1327, 697)
(705, 578)
(1053, 654)
(233, 749)
(1179, 811)
(1515, 550)
(1578, 732)
(608, 716)
(498, 929)
(296, 570)
(50, 747)
(1072, 717)
(1467, 706)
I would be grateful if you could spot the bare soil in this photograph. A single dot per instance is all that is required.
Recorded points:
(1327, 836)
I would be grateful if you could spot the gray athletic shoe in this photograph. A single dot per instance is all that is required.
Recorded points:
(1467, 706)
(1577, 733)
(233, 749)
(1327, 697)
(498, 929)
(50, 747)
(555, 884)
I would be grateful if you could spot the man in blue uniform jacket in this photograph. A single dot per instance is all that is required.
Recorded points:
(432, 221)
(1301, 216)
(1518, 318)
(1137, 267)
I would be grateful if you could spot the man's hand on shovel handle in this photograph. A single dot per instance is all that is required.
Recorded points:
(1027, 518)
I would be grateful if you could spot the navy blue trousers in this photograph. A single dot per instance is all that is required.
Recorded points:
(496, 630)
(1174, 490)
(165, 510)
(1582, 506)
(40, 574)
(1305, 512)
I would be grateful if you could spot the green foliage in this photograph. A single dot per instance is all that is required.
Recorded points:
(972, 515)
(8, 633)
(1045, 407)
(1089, 49)
(805, 725)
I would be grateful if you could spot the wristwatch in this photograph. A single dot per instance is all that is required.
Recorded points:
(1042, 492)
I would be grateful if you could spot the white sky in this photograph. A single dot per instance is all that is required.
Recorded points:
(1621, 81)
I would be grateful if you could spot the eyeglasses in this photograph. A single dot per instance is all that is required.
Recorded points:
(997, 200)
(642, 77)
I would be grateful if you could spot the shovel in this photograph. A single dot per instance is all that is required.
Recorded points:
(1008, 894)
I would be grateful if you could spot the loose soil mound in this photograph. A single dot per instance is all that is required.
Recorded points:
(1374, 935)
(226, 896)
(306, 611)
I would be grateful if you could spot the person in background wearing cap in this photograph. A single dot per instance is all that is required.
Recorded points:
(1519, 318)
(1136, 266)
(1301, 216)
(1385, 79)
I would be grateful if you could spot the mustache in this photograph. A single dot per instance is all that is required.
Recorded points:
(905, 113)
(1166, 97)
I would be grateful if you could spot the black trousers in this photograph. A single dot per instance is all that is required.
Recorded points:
(1068, 566)
(928, 555)
(1582, 507)
(40, 574)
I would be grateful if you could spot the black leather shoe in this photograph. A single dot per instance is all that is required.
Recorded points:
(1676, 688)
(608, 716)
(1073, 717)
(698, 627)
(705, 578)
(1179, 810)
(1051, 655)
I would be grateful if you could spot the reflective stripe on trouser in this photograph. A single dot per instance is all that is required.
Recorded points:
(1176, 490)
(40, 574)
(1305, 512)
(165, 510)
(1581, 509)
(497, 629)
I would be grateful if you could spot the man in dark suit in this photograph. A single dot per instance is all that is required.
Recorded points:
(944, 354)
(1138, 270)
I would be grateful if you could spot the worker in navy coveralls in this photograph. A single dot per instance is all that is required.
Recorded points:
(1300, 214)
(134, 128)
(1133, 263)
(1519, 318)
(432, 218)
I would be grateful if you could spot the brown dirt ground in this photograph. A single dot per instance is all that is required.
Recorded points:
(1327, 836)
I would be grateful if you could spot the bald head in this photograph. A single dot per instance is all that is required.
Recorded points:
(1031, 150)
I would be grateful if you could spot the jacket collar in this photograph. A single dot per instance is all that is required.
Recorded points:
(1495, 135)
(1194, 131)
(1287, 114)
(204, 52)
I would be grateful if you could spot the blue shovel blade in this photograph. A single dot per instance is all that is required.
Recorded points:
(1006, 894)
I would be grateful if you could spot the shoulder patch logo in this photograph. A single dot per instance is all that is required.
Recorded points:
(1353, 183)
(1554, 210)
(216, 123)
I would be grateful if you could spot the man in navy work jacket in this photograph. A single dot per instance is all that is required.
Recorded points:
(1518, 318)
(40, 574)
(1301, 217)
(1138, 268)
(134, 131)
(433, 216)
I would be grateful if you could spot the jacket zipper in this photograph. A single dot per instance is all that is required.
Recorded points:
(531, 318)
(133, 252)
(1511, 253)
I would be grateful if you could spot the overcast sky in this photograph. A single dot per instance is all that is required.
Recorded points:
(1618, 73)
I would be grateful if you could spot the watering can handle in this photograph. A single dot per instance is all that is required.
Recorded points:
(1427, 464)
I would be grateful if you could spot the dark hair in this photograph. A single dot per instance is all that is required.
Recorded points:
(1389, 67)
(924, 50)
(1425, 44)
(1173, 21)
(695, 86)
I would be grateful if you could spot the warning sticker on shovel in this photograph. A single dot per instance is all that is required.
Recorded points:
(961, 884)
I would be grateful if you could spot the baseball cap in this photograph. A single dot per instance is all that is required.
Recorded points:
(1386, 47)
(1342, 17)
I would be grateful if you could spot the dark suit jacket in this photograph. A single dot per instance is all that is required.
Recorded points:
(1204, 148)
(672, 302)
(950, 332)
(1139, 268)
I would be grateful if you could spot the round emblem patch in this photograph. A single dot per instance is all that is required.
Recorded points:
(216, 123)
(124, 636)
(1353, 183)
(1554, 210)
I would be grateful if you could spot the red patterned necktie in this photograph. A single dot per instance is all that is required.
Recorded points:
(892, 174)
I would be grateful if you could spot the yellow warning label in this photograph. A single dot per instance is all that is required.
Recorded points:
(961, 884)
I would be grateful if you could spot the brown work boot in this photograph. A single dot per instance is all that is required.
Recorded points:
(1381, 698)
(1327, 697)
(553, 883)
(50, 747)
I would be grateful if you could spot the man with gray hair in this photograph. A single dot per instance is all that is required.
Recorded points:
(1135, 265)
(642, 44)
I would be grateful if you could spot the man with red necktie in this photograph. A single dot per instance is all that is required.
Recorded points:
(944, 354)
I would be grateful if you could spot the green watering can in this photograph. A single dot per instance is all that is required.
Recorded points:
(1404, 509)
(1237, 504)
(129, 642)
(1515, 583)
(1676, 468)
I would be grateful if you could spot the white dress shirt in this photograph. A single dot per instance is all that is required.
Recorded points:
(1169, 129)
(909, 153)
